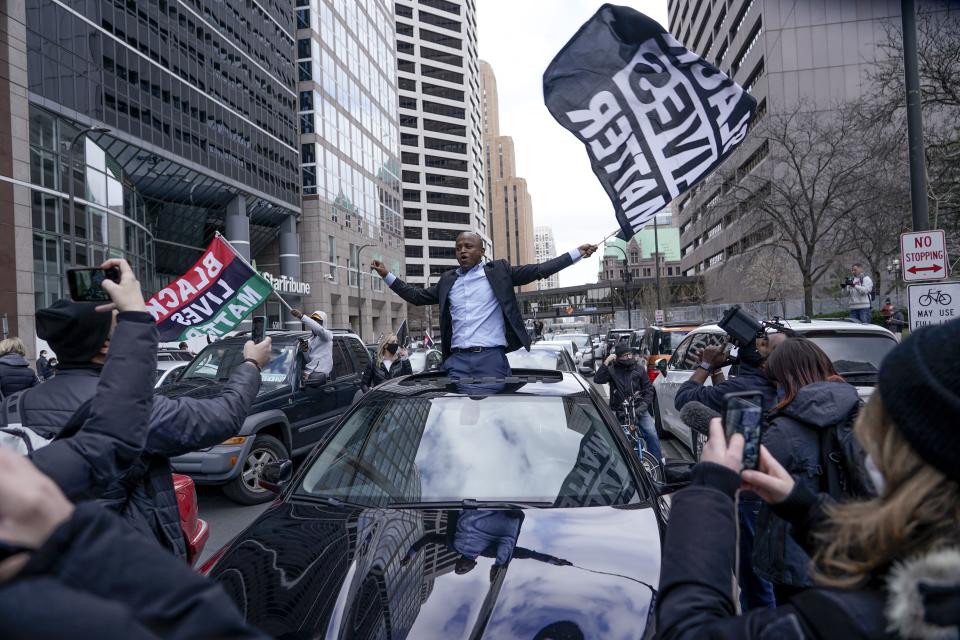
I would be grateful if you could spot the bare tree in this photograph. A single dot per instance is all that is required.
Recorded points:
(798, 198)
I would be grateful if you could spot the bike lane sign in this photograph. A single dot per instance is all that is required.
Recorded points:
(933, 303)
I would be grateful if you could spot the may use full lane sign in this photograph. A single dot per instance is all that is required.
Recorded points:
(923, 256)
(933, 303)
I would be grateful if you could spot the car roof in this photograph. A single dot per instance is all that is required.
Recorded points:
(547, 345)
(436, 384)
(282, 337)
(811, 326)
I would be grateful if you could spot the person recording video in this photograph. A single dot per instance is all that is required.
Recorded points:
(859, 287)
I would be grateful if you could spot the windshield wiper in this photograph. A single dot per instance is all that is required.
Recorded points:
(333, 502)
(469, 503)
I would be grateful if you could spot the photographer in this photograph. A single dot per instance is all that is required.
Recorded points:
(859, 287)
(887, 567)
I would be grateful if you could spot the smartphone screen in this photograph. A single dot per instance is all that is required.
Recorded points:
(85, 284)
(259, 331)
(743, 413)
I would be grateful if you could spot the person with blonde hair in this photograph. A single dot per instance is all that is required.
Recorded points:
(391, 361)
(884, 567)
(15, 372)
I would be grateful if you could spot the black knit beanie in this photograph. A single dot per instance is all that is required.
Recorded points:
(919, 384)
(74, 330)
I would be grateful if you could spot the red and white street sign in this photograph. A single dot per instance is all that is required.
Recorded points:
(923, 256)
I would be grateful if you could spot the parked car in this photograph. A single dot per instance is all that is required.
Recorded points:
(430, 513)
(564, 342)
(616, 335)
(542, 355)
(855, 349)
(425, 360)
(165, 354)
(657, 342)
(288, 416)
(372, 348)
(586, 356)
(168, 371)
(195, 531)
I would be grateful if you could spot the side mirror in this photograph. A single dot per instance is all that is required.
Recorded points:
(676, 476)
(585, 371)
(275, 475)
(662, 367)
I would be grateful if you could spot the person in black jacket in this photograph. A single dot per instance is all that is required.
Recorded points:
(391, 361)
(81, 336)
(480, 320)
(815, 398)
(15, 372)
(886, 567)
(627, 380)
(44, 370)
(81, 572)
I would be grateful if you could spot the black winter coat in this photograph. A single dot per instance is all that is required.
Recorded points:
(15, 374)
(502, 278)
(376, 374)
(697, 599)
(748, 378)
(793, 437)
(146, 497)
(624, 382)
(96, 578)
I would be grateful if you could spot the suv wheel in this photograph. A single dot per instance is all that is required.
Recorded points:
(245, 488)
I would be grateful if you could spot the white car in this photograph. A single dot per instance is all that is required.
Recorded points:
(168, 370)
(567, 344)
(855, 349)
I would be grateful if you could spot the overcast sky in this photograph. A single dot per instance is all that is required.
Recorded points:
(519, 38)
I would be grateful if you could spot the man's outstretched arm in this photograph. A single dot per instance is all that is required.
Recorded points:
(525, 274)
(413, 295)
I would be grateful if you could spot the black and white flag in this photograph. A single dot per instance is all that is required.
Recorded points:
(655, 117)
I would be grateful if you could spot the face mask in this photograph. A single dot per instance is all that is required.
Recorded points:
(875, 476)
(392, 348)
(627, 364)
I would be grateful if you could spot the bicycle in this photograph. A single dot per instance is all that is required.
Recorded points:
(631, 430)
(932, 296)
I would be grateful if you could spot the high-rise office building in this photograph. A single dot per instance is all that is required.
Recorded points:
(544, 248)
(349, 151)
(139, 130)
(440, 132)
(509, 206)
(786, 54)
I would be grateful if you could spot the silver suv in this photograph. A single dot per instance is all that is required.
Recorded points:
(855, 349)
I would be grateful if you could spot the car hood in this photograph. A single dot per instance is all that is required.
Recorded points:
(194, 388)
(307, 571)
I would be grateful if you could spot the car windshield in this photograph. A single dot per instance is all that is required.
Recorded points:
(556, 451)
(217, 361)
(856, 356)
(580, 339)
(670, 340)
(535, 359)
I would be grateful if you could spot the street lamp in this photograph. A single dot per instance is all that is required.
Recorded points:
(626, 282)
(73, 142)
(893, 270)
(360, 289)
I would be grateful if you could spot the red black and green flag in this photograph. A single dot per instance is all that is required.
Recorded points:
(211, 298)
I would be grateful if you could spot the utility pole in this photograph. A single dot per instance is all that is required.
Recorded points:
(918, 170)
(656, 258)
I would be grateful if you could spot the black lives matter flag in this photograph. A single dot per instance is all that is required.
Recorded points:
(655, 117)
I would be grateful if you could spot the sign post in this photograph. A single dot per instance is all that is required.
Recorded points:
(923, 256)
(933, 303)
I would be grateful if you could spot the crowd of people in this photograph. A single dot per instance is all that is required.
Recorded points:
(849, 526)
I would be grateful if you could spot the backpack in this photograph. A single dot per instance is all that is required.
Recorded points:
(16, 434)
(842, 471)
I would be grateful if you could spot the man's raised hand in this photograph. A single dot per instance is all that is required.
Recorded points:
(586, 250)
(379, 267)
(126, 295)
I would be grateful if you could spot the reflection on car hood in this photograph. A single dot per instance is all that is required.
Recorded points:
(306, 571)
(199, 388)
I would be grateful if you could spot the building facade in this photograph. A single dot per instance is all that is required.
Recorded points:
(788, 55)
(637, 259)
(545, 248)
(138, 130)
(350, 163)
(509, 206)
(440, 133)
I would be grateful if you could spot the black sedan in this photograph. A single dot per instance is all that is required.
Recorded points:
(438, 511)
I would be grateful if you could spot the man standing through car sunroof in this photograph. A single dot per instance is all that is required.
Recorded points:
(480, 319)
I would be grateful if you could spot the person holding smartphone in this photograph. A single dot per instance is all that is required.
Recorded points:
(391, 362)
(814, 399)
(319, 348)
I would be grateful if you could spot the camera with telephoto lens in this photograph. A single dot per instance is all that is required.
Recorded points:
(740, 326)
(847, 282)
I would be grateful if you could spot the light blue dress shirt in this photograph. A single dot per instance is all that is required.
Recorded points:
(474, 309)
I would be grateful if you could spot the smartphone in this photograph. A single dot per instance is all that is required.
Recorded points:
(85, 283)
(743, 414)
(259, 331)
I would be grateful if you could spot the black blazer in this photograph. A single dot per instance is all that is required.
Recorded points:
(502, 278)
